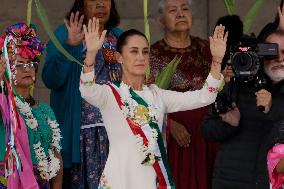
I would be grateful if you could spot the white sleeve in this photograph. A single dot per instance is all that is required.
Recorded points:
(93, 93)
(182, 101)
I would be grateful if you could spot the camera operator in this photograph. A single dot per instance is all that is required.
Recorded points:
(244, 130)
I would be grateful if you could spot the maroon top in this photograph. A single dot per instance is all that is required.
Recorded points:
(191, 167)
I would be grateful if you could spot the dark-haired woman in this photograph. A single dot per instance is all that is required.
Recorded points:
(85, 143)
(133, 112)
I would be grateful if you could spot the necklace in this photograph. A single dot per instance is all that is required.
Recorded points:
(48, 164)
(30, 100)
(141, 116)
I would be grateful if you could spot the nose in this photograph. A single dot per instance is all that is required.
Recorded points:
(180, 13)
(100, 4)
(281, 56)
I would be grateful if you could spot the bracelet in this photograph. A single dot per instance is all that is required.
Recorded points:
(89, 66)
(215, 61)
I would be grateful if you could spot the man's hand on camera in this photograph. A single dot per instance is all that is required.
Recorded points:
(232, 117)
(264, 98)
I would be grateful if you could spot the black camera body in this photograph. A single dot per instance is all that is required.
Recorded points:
(246, 59)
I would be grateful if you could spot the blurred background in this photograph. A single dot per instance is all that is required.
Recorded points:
(205, 15)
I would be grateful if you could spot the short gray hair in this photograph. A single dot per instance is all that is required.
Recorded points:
(161, 5)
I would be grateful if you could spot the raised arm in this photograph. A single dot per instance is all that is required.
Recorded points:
(175, 101)
(93, 93)
(182, 101)
(57, 66)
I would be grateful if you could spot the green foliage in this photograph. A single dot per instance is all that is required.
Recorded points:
(164, 78)
(43, 17)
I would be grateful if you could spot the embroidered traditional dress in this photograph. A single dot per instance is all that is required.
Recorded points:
(43, 135)
(195, 163)
(124, 168)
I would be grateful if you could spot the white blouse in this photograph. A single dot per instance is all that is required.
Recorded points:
(123, 169)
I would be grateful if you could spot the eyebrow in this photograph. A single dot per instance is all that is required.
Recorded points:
(175, 6)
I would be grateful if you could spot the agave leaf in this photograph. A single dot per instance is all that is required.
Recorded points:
(164, 78)
(251, 15)
(43, 17)
(230, 5)
(29, 12)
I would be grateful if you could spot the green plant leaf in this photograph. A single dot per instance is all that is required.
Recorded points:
(29, 12)
(231, 6)
(147, 31)
(43, 17)
(251, 15)
(164, 78)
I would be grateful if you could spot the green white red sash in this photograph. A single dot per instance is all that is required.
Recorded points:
(161, 167)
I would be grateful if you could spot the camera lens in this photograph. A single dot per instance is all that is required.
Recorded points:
(242, 61)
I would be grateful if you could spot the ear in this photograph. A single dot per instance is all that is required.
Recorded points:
(118, 57)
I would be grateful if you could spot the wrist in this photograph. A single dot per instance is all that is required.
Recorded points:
(216, 59)
(72, 43)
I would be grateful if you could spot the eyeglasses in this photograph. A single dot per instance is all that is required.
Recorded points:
(24, 66)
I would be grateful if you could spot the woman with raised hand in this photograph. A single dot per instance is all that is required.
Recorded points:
(85, 142)
(133, 112)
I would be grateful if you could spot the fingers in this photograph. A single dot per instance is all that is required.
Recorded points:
(263, 98)
(85, 29)
(97, 22)
(219, 33)
(81, 21)
(66, 24)
(215, 32)
(90, 25)
(102, 38)
(183, 139)
(76, 19)
(279, 11)
(71, 21)
(226, 37)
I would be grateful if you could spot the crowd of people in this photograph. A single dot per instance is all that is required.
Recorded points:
(109, 125)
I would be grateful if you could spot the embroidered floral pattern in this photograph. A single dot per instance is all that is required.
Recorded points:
(104, 183)
(212, 89)
(88, 83)
(141, 116)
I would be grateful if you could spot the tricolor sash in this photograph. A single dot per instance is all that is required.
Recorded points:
(161, 167)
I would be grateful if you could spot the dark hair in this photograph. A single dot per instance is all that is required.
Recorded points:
(114, 18)
(270, 27)
(234, 26)
(122, 40)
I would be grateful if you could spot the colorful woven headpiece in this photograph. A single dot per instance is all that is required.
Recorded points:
(25, 41)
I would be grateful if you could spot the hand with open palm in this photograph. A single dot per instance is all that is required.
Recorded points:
(218, 43)
(94, 41)
(74, 28)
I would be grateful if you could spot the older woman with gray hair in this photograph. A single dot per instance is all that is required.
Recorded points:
(191, 158)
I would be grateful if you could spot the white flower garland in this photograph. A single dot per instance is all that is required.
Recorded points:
(48, 166)
(128, 109)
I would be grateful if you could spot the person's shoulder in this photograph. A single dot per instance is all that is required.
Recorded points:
(44, 106)
(199, 41)
(157, 44)
(116, 31)
(61, 30)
